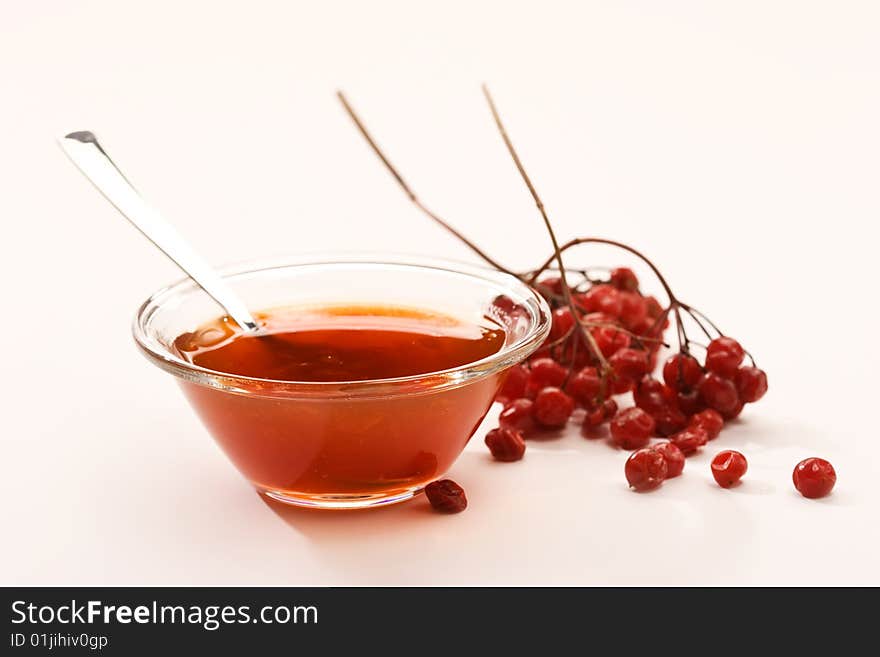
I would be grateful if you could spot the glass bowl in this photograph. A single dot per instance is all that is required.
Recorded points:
(352, 444)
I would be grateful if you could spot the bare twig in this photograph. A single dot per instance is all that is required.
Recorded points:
(409, 192)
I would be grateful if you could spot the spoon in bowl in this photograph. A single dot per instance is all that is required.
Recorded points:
(87, 154)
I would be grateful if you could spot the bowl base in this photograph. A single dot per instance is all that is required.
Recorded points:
(340, 502)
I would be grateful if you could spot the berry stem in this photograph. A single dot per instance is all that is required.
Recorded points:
(557, 253)
(408, 190)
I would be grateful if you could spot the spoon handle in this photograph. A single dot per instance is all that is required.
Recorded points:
(87, 154)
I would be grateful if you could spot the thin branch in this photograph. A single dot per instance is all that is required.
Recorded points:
(409, 192)
(591, 342)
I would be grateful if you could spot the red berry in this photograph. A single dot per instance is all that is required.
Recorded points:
(710, 421)
(624, 278)
(519, 416)
(723, 356)
(718, 392)
(629, 364)
(545, 372)
(645, 469)
(514, 385)
(728, 467)
(504, 305)
(562, 324)
(751, 383)
(602, 298)
(674, 458)
(653, 396)
(682, 372)
(814, 477)
(610, 339)
(584, 386)
(689, 402)
(631, 428)
(601, 413)
(552, 407)
(734, 413)
(633, 309)
(506, 444)
(446, 496)
(655, 310)
(552, 283)
(689, 440)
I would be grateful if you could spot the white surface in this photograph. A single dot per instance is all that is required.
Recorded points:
(737, 143)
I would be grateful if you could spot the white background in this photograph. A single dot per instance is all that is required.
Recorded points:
(737, 143)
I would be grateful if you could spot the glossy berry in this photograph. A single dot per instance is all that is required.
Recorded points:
(814, 477)
(633, 310)
(689, 402)
(610, 339)
(645, 469)
(518, 415)
(734, 412)
(506, 444)
(625, 279)
(682, 372)
(724, 356)
(552, 283)
(584, 386)
(601, 413)
(669, 421)
(653, 396)
(689, 440)
(629, 364)
(504, 305)
(603, 299)
(514, 385)
(728, 467)
(751, 384)
(719, 393)
(446, 496)
(545, 372)
(631, 428)
(674, 458)
(552, 407)
(562, 323)
(710, 421)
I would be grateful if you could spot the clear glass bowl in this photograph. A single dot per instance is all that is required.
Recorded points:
(346, 444)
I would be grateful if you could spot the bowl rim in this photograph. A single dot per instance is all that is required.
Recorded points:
(539, 327)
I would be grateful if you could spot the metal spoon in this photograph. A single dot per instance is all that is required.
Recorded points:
(86, 153)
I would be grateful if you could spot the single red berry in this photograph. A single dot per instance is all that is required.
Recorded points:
(584, 386)
(504, 305)
(645, 469)
(674, 458)
(545, 372)
(723, 356)
(814, 477)
(620, 386)
(653, 396)
(514, 385)
(624, 278)
(751, 383)
(728, 467)
(629, 364)
(718, 392)
(633, 310)
(710, 421)
(669, 421)
(631, 428)
(689, 402)
(552, 407)
(655, 310)
(519, 416)
(610, 339)
(602, 298)
(562, 324)
(446, 496)
(682, 372)
(734, 412)
(552, 283)
(689, 440)
(506, 444)
(601, 413)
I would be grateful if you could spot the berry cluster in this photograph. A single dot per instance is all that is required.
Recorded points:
(604, 342)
